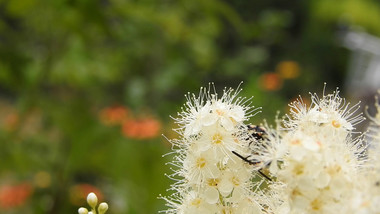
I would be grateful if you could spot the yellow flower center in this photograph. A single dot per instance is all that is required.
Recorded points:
(336, 124)
(219, 112)
(217, 138)
(365, 204)
(236, 141)
(298, 170)
(226, 210)
(213, 182)
(235, 180)
(196, 202)
(295, 142)
(296, 192)
(316, 204)
(333, 170)
(201, 162)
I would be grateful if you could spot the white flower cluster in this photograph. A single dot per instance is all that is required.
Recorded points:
(210, 178)
(320, 156)
(366, 195)
(315, 161)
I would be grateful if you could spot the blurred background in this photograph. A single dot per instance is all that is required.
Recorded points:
(87, 86)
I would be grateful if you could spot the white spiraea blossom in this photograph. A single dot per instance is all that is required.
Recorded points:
(209, 177)
(320, 158)
(366, 196)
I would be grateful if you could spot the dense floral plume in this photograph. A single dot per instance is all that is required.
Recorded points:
(209, 177)
(366, 195)
(313, 161)
(316, 159)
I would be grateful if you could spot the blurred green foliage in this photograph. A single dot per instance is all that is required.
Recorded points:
(63, 61)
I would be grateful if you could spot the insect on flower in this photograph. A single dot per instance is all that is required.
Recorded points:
(257, 135)
(257, 132)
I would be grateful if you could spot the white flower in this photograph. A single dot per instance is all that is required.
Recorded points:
(200, 166)
(232, 180)
(217, 139)
(207, 109)
(198, 117)
(248, 205)
(194, 203)
(209, 177)
(320, 159)
(330, 110)
(366, 195)
(227, 113)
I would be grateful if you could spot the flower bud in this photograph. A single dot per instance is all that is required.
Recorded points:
(82, 210)
(103, 207)
(92, 200)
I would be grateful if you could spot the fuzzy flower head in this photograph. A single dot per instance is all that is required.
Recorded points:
(329, 111)
(320, 158)
(366, 196)
(209, 177)
(207, 109)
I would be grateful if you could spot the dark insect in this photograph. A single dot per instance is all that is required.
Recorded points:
(258, 134)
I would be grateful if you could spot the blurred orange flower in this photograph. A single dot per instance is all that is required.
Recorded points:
(78, 193)
(11, 121)
(270, 81)
(114, 115)
(14, 195)
(288, 69)
(141, 128)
